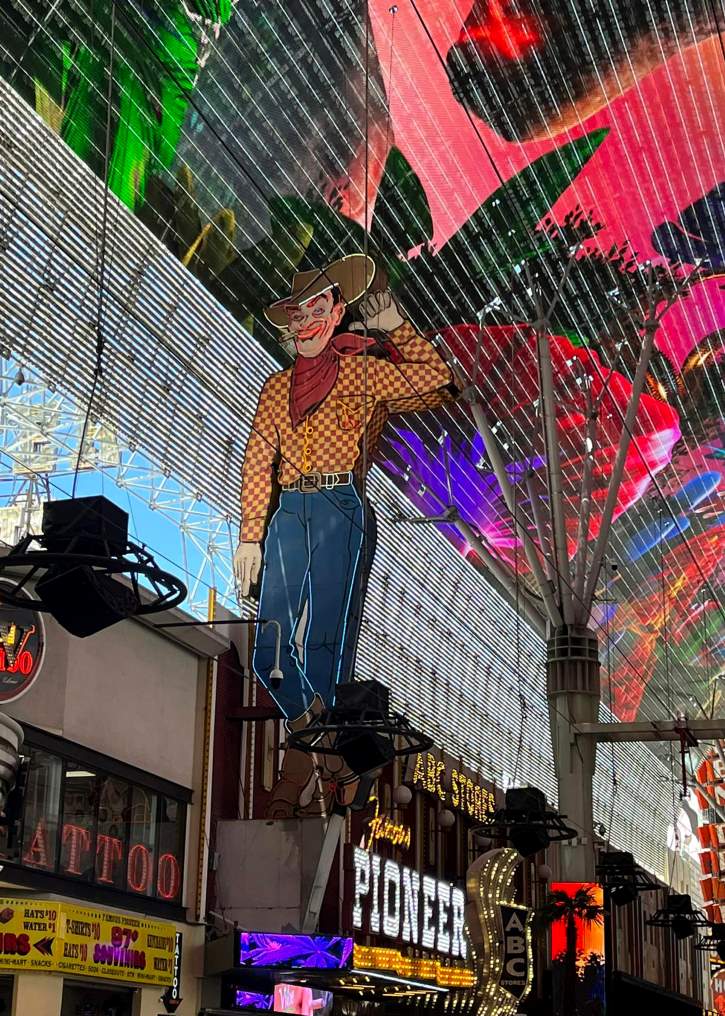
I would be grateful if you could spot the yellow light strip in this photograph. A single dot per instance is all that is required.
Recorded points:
(376, 958)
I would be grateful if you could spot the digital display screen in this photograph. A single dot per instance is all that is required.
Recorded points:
(298, 998)
(286, 998)
(257, 949)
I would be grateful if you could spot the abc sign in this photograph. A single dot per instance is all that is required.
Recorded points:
(515, 975)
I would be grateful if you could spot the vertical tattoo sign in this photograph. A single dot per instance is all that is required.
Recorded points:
(172, 996)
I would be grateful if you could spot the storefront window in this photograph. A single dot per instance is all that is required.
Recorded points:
(171, 849)
(40, 812)
(113, 817)
(80, 803)
(142, 849)
(82, 823)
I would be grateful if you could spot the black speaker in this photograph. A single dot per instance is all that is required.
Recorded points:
(528, 840)
(622, 860)
(528, 799)
(85, 601)
(530, 802)
(85, 525)
(682, 928)
(359, 703)
(679, 903)
(353, 698)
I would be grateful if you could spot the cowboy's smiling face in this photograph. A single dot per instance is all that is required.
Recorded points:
(313, 322)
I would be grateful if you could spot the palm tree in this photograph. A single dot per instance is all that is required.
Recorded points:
(579, 907)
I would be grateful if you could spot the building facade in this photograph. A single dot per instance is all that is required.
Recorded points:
(102, 850)
(421, 826)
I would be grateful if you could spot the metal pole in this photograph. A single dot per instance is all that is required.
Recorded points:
(585, 511)
(494, 454)
(553, 472)
(333, 832)
(540, 524)
(530, 609)
(530, 548)
(619, 464)
(651, 325)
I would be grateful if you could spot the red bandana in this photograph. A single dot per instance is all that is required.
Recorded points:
(314, 377)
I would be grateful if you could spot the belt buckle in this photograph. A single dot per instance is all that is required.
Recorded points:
(310, 482)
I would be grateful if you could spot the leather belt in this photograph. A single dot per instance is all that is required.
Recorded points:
(308, 483)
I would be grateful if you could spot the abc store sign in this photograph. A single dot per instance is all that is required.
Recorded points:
(392, 900)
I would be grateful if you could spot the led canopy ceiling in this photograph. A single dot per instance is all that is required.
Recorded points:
(475, 149)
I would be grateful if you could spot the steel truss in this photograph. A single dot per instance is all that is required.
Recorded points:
(40, 434)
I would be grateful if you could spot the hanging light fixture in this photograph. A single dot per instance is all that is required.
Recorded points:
(625, 880)
(679, 915)
(84, 550)
(361, 730)
(526, 822)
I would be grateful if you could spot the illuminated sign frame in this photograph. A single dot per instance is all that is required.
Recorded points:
(22, 647)
(494, 922)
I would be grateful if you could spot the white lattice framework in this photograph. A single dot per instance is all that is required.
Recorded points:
(40, 432)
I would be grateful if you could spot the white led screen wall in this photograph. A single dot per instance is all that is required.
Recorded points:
(180, 381)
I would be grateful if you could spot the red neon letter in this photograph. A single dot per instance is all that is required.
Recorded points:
(25, 663)
(37, 852)
(80, 842)
(138, 855)
(111, 849)
(169, 877)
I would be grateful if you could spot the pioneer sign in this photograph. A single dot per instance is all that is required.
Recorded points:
(401, 904)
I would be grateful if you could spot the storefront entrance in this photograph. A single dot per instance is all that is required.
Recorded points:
(6, 996)
(89, 1000)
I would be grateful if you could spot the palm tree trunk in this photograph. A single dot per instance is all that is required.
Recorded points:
(569, 999)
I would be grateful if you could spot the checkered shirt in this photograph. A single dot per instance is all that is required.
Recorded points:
(329, 440)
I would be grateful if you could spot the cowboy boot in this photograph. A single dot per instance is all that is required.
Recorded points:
(297, 786)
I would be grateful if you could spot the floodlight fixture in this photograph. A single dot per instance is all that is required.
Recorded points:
(360, 729)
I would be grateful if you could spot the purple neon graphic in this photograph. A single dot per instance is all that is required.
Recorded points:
(252, 1000)
(477, 493)
(300, 951)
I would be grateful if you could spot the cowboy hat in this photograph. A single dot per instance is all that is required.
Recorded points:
(351, 274)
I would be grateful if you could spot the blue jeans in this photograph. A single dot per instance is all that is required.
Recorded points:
(317, 557)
